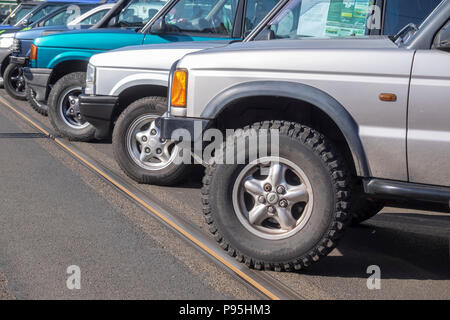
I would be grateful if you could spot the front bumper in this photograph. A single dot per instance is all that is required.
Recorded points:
(99, 111)
(37, 80)
(194, 127)
(18, 60)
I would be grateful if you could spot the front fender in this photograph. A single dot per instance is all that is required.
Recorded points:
(70, 55)
(139, 79)
(298, 91)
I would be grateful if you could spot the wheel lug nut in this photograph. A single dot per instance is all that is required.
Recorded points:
(281, 190)
(283, 203)
(262, 199)
(267, 187)
(144, 138)
(158, 151)
(147, 150)
(271, 209)
(153, 132)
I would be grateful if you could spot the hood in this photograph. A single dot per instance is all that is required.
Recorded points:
(43, 31)
(307, 55)
(11, 29)
(91, 39)
(151, 56)
(372, 42)
(37, 32)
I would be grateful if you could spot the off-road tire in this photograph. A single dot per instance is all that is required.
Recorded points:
(326, 225)
(7, 83)
(170, 175)
(75, 79)
(39, 107)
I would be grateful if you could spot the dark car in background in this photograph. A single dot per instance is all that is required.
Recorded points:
(70, 16)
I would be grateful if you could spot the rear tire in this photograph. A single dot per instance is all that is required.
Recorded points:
(63, 109)
(300, 216)
(14, 81)
(39, 107)
(158, 165)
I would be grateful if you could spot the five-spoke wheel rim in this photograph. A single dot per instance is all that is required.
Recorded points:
(17, 80)
(69, 108)
(146, 147)
(272, 198)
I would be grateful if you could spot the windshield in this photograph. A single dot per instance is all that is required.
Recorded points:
(6, 9)
(94, 18)
(400, 13)
(346, 18)
(138, 12)
(43, 11)
(322, 18)
(202, 16)
(21, 12)
(63, 17)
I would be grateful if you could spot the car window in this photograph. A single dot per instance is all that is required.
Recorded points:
(6, 9)
(255, 11)
(19, 14)
(94, 18)
(138, 12)
(202, 16)
(66, 16)
(401, 12)
(43, 11)
(322, 18)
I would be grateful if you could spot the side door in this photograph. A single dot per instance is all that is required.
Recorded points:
(191, 20)
(429, 114)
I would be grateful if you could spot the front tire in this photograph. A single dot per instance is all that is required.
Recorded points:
(139, 151)
(64, 111)
(285, 217)
(14, 81)
(39, 107)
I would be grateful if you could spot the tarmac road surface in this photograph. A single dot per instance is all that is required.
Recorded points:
(55, 212)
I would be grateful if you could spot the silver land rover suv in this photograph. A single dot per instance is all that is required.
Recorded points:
(359, 120)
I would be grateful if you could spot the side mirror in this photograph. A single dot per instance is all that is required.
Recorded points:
(266, 34)
(442, 39)
(159, 26)
(25, 22)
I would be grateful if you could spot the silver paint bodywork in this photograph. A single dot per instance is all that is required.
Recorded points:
(429, 118)
(354, 72)
(128, 67)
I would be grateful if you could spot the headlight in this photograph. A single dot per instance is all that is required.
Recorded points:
(6, 40)
(90, 80)
(15, 46)
(90, 74)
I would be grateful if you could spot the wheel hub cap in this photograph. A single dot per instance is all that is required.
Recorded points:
(69, 108)
(272, 198)
(274, 205)
(146, 147)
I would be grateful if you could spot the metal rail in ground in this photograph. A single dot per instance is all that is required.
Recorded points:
(261, 281)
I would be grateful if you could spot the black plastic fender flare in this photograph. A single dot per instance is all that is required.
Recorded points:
(306, 93)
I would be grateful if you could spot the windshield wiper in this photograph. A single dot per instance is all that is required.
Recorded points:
(404, 31)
